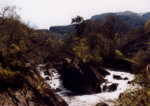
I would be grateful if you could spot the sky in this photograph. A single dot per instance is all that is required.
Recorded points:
(46, 13)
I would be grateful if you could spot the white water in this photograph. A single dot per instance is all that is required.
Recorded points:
(91, 99)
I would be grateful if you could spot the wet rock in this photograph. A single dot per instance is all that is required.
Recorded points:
(110, 88)
(81, 77)
(125, 78)
(129, 82)
(53, 70)
(47, 72)
(103, 72)
(58, 90)
(47, 78)
(117, 77)
(102, 104)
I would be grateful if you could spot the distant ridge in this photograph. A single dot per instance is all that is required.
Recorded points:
(134, 19)
(62, 29)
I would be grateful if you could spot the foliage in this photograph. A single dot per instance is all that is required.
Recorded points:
(143, 78)
(139, 58)
(14, 43)
(101, 43)
(147, 26)
(135, 98)
(92, 44)
(139, 97)
(113, 25)
(119, 53)
(9, 78)
(81, 49)
(77, 20)
(93, 47)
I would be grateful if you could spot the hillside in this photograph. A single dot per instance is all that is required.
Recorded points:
(134, 19)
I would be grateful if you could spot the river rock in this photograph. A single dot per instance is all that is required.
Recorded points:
(129, 82)
(117, 77)
(47, 78)
(125, 78)
(47, 72)
(81, 77)
(110, 88)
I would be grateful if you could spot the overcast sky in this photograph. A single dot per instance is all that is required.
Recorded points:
(46, 13)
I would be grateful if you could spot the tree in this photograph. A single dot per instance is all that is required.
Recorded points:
(81, 49)
(77, 20)
(2, 14)
(95, 46)
(8, 12)
(113, 25)
(14, 39)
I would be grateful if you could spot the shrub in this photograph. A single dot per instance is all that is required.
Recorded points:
(135, 98)
(10, 78)
(139, 58)
(139, 97)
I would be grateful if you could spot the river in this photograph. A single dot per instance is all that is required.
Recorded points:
(106, 96)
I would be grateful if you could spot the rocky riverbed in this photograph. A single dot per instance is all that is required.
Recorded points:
(115, 83)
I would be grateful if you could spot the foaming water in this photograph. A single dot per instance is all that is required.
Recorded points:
(108, 97)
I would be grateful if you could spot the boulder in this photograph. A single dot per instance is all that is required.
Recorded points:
(117, 77)
(125, 78)
(129, 82)
(81, 78)
(110, 88)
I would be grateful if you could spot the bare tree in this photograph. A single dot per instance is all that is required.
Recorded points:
(8, 12)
